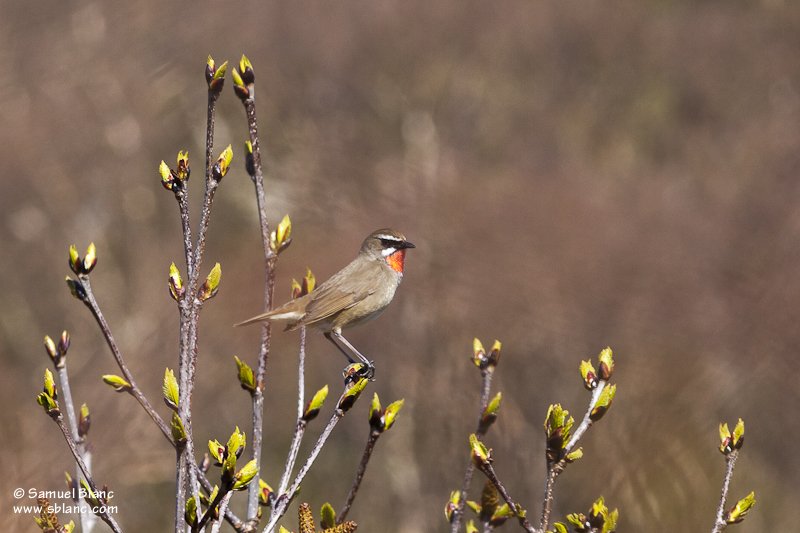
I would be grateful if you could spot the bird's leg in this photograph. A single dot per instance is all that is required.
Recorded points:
(339, 337)
(329, 336)
(334, 336)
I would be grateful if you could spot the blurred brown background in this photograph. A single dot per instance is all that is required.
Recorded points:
(574, 174)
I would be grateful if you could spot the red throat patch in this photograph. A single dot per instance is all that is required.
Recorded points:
(396, 261)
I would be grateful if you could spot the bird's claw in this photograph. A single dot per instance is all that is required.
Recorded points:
(356, 371)
(368, 371)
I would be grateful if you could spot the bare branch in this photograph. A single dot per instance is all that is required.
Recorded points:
(488, 470)
(486, 387)
(93, 306)
(221, 494)
(362, 467)
(223, 506)
(300, 426)
(269, 286)
(87, 518)
(586, 423)
(235, 522)
(547, 504)
(555, 468)
(352, 390)
(182, 196)
(730, 462)
(87, 475)
(135, 391)
(283, 499)
(190, 308)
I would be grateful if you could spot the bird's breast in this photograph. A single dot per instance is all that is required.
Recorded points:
(396, 261)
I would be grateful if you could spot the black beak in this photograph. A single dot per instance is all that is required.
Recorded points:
(406, 244)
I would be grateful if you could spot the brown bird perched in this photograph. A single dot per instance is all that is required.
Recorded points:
(356, 294)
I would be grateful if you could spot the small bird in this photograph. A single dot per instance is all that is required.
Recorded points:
(356, 294)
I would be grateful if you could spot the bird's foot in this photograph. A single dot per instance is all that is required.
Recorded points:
(368, 371)
(355, 371)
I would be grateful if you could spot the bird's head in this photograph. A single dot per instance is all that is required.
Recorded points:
(387, 245)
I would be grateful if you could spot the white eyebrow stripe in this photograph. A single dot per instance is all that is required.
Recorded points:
(389, 238)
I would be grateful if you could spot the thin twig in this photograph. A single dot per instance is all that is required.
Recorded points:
(210, 511)
(269, 287)
(182, 458)
(205, 218)
(189, 324)
(184, 307)
(180, 482)
(223, 506)
(730, 461)
(547, 504)
(258, 176)
(301, 373)
(235, 522)
(291, 458)
(208, 197)
(66, 396)
(362, 467)
(135, 391)
(283, 500)
(555, 468)
(87, 475)
(486, 387)
(586, 423)
(300, 426)
(182, 196)
(187, 456)
(86, 517)
(93, 306)
(488, 470)
(195, 259)
(91, 303)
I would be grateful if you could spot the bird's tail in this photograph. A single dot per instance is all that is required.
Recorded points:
(275, 314)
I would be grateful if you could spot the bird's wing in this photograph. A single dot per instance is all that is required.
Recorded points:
(327, 301)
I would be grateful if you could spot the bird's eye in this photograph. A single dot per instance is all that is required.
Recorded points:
(389, 243)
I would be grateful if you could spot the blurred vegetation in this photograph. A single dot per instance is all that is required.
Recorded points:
(574, 175)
